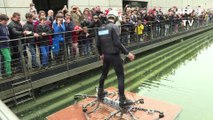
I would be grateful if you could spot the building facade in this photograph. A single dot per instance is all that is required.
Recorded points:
(22, 6)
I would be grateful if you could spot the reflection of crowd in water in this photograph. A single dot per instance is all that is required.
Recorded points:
(44, 40)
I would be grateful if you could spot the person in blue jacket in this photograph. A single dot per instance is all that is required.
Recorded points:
(58, 39)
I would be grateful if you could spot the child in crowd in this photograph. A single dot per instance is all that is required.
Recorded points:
(58, 39)
(75, 41)
(43, 30)
(139, 30)
(30, 42)
(69, 26)
(84, 42)
(4, 45)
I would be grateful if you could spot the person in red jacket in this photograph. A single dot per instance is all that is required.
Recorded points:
(75, 40)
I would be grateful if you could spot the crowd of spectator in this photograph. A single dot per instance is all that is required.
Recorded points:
(43, 38)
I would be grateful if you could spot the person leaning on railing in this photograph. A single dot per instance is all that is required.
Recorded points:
(28, 26)
(84, 42)
(69, 26)
(139, 30)
(16, 32)
(130, 27)
(124, 31)
(4, 45)
(43, 30)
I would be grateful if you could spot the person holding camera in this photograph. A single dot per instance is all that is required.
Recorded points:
(28, 26)
(16, 32)
(33, 9)
(100, 14)
(76, 15)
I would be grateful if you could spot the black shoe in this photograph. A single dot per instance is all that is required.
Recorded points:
(124, 102)
(101, 93)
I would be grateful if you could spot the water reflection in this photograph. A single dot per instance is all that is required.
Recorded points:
(187, 82)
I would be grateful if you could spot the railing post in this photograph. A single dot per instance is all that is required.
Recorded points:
(136, 32)
(20, 48)
(151, 31)
(66, 51)
(172, 28)
(95, 48)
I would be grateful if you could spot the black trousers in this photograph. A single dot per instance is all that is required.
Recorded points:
(117, 63)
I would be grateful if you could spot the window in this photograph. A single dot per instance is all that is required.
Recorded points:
(46, 5)
(135, 3)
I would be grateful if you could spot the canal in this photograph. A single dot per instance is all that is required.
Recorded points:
(188, 84)
(179, 73)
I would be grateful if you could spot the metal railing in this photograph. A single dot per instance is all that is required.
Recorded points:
(46, 52)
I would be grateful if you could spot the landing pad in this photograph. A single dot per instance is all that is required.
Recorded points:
(74, 112)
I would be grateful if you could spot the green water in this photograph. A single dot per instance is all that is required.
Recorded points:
(189, 84)
(179, 74)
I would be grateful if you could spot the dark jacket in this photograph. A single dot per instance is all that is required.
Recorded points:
(109, 40)
(95, 24)
(43, 40)
(69, 28)
(102, 19)
(93, 27)
(29, 27)
(16, 31)
(83, 39)
(126, 28)
(4, 36)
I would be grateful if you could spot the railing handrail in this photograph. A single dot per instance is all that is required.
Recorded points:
(30, 56)
(58, 33)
